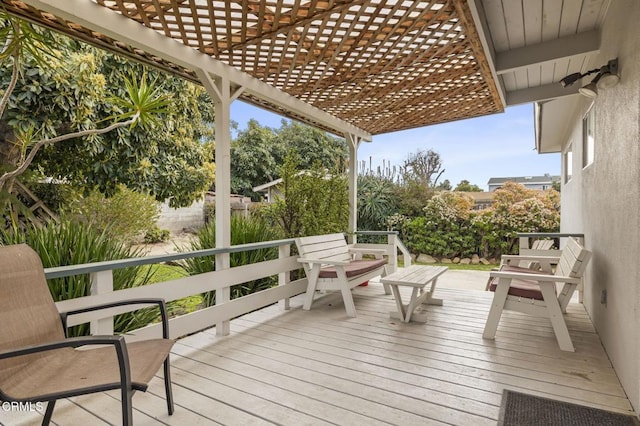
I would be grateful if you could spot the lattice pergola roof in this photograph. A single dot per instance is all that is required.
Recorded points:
(379, 65)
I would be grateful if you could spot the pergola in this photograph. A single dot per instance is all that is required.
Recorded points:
(353, 68)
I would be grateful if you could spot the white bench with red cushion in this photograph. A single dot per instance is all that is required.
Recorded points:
(330, 264)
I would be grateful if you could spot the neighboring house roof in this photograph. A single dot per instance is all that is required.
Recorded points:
(481, 197)
(266, 186)
(525, 180)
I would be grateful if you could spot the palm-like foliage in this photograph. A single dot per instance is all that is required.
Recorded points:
(243, 231)
(19, 39)
(70, 243)
(376, 202)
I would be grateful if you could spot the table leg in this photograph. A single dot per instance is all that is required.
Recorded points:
(430, 299)
(412, 304)
(401, 309)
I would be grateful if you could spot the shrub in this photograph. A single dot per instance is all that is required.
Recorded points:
(156, 235)
(243, 231)
(70, 243)
(127, 215)
(444, 229)
(312, 203)
(209, 212)
(516, 209)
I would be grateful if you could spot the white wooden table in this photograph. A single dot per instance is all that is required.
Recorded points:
(417, 277)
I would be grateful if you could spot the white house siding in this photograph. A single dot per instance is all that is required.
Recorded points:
(603, 200)
(175, 220)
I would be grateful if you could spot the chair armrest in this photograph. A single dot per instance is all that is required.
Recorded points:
(533, 277)
(323, 261)
(147, 301)
(72, 342)
(117, 342)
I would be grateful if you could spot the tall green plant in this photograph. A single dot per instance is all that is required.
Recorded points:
(70, 243)
(313, 202)
(243, 231)
(376, 202)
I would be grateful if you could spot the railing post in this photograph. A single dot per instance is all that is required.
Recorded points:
(392, 240)
(223, 295)
(284, 278)
(101, 283)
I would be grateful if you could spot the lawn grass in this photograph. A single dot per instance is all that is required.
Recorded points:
(171, 272)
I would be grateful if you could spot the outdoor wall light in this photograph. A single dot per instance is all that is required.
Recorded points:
(607, 76)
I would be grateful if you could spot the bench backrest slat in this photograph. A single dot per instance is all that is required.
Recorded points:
(573, 260)
(323, 246)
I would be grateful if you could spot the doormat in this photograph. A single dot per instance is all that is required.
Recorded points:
(520, 409)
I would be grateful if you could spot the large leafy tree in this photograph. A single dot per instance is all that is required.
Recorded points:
(78, 88)
(466, 186)
(258, 153)
(312, 145)
(254, 158)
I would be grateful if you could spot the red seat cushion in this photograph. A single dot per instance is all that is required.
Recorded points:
(528, 289)
(353, 269)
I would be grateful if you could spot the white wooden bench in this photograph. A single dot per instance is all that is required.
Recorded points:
(330, 264)
(539, 293)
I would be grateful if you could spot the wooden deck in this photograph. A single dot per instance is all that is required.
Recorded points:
(321, 367)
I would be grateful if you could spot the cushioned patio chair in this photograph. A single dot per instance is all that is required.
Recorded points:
(39, 364)
(539, 293)
(539, 247)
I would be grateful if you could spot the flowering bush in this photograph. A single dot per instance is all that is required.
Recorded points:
(445, 229)
(449, 226)
(515, 210)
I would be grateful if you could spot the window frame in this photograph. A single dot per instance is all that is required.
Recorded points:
(588, 144)
(567, 159)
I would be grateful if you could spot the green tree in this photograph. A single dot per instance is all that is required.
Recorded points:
(313, 202)
(420, 173)
(254, 158)
(258, 152)
(64, 100)
(466, 186)
(445, 185)
(312, 145)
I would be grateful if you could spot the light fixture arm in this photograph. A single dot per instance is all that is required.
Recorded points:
(610, 68)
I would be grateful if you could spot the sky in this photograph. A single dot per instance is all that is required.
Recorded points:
(476, 149)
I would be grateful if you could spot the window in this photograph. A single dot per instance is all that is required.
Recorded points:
(568, 164)
(588, 137)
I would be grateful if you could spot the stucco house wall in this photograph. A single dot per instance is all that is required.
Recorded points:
(603, 199)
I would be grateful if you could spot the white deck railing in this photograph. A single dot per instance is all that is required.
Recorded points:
(101, 275)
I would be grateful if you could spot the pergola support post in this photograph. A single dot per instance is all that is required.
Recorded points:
(353, 142)
(220, 90)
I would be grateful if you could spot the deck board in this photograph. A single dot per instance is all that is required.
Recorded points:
(321, 367)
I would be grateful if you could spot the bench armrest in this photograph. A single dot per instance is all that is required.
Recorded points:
(366, 250)
(534, 277)
(517, 257)
(323, 261)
